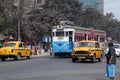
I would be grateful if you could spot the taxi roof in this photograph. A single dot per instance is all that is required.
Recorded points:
(88, 41)
(14, 42)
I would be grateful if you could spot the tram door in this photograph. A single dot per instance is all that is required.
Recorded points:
(70, 39)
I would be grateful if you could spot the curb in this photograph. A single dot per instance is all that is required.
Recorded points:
(42, 54)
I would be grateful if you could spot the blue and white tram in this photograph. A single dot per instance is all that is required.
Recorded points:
(66, 35)
(62, 40)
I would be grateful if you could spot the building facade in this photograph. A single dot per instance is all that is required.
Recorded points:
(96, 4)
(30, 4)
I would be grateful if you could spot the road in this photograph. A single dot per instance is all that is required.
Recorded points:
(51, 68)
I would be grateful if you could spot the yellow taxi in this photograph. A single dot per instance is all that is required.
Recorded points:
(87, 49)
(15, 50)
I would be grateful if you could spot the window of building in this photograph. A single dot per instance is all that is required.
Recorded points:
(38, 1)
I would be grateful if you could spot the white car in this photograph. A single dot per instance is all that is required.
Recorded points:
(117, 49)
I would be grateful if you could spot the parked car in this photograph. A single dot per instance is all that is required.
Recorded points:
(15, 50)
(117, 49)
(87, 49)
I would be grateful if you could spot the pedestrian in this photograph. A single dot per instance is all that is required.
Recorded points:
(110, 61)
(51, 50)
(35, 50)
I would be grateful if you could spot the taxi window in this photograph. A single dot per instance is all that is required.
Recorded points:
(20, 45)
(96, 45)
(9, 44)
(86, 44)
(24, 45)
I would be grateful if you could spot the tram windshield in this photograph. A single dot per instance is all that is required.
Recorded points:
(60, 33)
(86, 44)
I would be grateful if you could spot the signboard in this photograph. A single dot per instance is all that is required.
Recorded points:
(11, 37)
(46, 39)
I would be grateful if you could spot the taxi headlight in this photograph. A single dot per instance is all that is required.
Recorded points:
(89, 50)
(73, 52)
(1, 52)
(12, 51)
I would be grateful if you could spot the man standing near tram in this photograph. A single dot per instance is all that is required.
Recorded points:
(110, 61)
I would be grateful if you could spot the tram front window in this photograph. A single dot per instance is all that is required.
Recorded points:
(60, 33)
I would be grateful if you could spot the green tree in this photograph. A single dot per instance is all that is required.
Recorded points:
(40, 20)
(51, 13)
(10, 13)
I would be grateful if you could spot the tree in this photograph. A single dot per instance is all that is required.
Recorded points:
(10, 13)
(111, 26)
(40, 20)
(51, 13)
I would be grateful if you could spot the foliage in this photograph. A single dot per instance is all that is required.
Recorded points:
(38, 23)
(51, 13)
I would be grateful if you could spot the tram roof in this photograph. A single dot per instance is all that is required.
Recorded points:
(77, 28)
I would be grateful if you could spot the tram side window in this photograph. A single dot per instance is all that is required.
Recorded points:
(66, 33)
(70, 33)
(102, 39)
(53, 34)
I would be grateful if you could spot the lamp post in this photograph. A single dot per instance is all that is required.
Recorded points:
(17, 4)
(19, 29)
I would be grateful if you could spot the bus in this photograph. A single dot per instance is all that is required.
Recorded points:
(66, 35)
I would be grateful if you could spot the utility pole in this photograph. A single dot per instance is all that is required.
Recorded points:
(19, 22)
(17, 4)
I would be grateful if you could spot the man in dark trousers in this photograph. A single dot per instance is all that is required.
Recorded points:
(110, 61)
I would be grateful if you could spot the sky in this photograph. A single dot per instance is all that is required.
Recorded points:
(112, 6)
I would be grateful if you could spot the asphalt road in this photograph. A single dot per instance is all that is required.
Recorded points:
(51, 68)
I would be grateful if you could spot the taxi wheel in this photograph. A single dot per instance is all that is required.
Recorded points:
(29, 57)
(99, 59)
(3, 58)
(74, 60)
(82, 60)
(93, 59)
(17, 57)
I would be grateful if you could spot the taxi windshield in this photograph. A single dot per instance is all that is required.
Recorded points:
(116, 46)
(9, 44)
(86, 44)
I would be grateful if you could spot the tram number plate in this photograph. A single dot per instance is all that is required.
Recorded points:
(60, 38)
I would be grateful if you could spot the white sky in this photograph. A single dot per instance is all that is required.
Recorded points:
(112, 6)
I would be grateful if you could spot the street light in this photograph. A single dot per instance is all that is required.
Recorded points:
(19, 29)
(17, 4)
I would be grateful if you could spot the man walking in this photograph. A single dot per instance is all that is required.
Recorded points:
(110, 61)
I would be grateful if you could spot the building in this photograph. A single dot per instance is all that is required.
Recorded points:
(96, 4)
(30, 4)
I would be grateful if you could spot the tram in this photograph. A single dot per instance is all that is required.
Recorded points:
(66, 35)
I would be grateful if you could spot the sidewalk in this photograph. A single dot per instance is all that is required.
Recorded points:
(41, 54)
